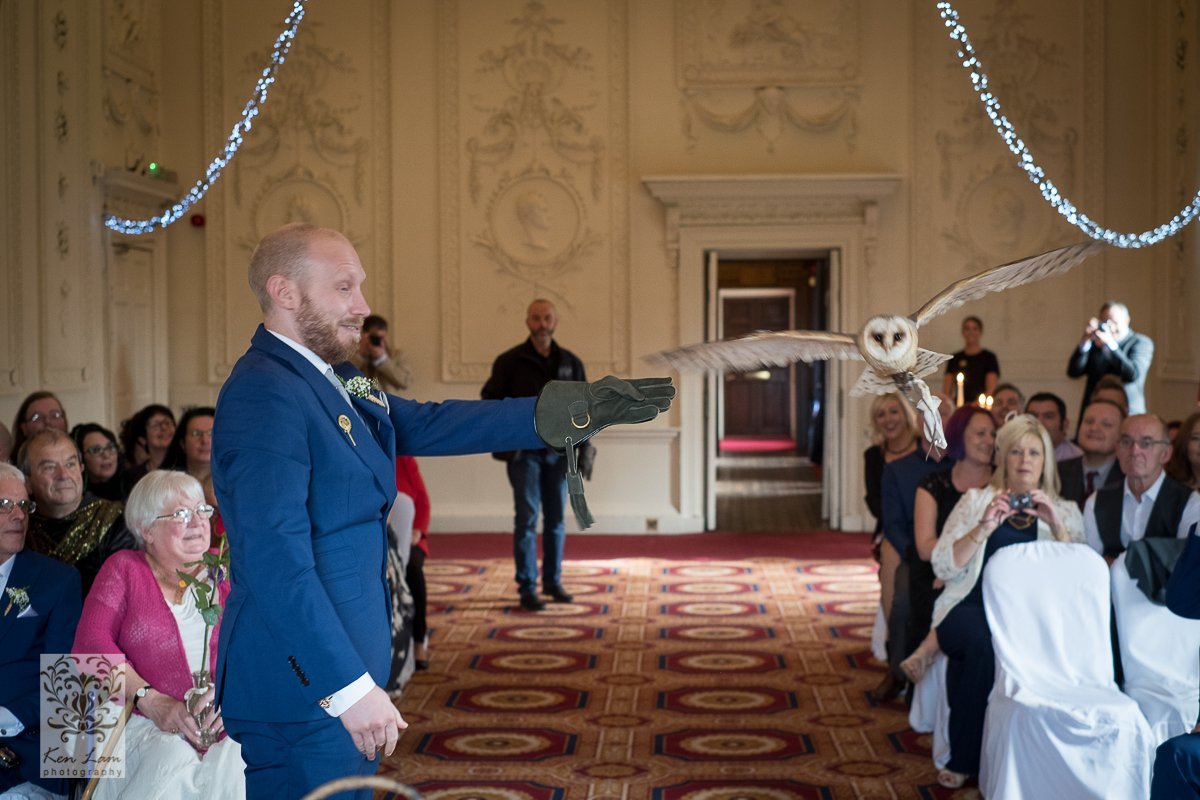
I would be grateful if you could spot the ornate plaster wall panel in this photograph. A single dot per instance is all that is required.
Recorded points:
(318, 152)
(130, 64)
(768, 65)
(1180, 70)
(533, 173)
(14, 214)
(67, 224)
(972, 207)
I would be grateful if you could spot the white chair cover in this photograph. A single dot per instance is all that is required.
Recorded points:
(879, 636)
(930, 712)
(1159, 652)
(1056, 724)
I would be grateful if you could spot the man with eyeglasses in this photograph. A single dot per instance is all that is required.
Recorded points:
(70, 525)
(39, 609)
(1148, 503)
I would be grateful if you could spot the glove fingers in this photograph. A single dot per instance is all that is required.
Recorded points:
(611, 386)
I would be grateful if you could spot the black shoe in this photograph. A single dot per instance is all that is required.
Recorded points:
(888, 689)
(531, 602)
(421, 663)
(559, 594)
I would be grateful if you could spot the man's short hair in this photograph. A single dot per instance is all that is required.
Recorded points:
(1042, 397)
(47, 437)
(283, 251)
(374, 322)
(1010, 387)
(1115, 305)
(10, 471)
(1104, 401)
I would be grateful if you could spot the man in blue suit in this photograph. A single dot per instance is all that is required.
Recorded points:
(40, 603)
(303, 466)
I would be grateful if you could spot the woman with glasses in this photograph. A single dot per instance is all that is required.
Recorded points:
(140, 607)
(104, 475)
(37, 412)
(145, 438)
(191, 449)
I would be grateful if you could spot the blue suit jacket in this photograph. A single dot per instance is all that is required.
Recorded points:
(306, 505)
(1183, 589)
(54, 596)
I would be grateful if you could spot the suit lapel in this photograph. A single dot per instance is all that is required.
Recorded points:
(340, 416)
(24, 576)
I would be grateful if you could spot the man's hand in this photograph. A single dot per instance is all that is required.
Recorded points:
(374, 723)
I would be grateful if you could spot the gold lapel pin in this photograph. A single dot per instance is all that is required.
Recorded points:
(344, 424)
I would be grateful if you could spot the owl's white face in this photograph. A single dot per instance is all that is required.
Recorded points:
(889, 343)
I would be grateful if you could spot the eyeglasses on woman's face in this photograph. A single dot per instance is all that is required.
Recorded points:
(100, 449)
(56, 416)
(185, 514)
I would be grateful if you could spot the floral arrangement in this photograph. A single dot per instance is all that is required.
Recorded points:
(359, 386)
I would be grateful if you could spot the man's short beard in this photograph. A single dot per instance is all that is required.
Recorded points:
(322, 337)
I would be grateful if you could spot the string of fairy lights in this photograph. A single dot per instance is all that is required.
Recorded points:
(279, 51)
(1050, 192)
(966, 54)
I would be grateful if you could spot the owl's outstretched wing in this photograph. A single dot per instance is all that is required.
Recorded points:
(1006, 276)
(758, 350)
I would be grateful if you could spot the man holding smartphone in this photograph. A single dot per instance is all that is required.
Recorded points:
(1110, 347)
(375, 360)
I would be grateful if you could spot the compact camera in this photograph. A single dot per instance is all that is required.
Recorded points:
(1020, 502)
(1103, 326)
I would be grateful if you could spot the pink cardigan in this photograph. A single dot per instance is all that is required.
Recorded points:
(125, 612)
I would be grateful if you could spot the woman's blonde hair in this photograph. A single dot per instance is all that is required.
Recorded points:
(1009, 436)
(910, 415)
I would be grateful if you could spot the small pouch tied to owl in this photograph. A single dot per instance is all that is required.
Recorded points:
(568, 413)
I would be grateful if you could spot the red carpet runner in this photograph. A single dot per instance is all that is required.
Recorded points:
(710, 667)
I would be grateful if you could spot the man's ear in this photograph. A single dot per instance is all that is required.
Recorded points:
(284, 292)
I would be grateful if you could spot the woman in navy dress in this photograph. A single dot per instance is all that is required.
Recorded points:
(1020, 504)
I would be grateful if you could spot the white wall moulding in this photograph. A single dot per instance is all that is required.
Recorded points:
(744, 65)
(320, 152)
(771, 216)
(533, 170)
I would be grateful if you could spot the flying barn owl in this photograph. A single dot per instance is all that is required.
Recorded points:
(888, 342)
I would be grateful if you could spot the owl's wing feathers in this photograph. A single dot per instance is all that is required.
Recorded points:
(928, 361)
(1006, 276)
(758, 350)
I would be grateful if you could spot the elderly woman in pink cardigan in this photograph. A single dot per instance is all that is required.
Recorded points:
(138, 606)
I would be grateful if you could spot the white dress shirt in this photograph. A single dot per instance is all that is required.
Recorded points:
(1135, 514)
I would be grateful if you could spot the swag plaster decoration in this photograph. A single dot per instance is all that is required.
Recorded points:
(533, 160)
(319, 153)
(768, 65)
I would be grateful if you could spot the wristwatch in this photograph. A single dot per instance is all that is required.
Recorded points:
(140, 693)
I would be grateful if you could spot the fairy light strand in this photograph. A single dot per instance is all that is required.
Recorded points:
(1050, 192)
(283, 43)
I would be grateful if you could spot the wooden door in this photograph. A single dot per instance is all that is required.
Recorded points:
(757, 403)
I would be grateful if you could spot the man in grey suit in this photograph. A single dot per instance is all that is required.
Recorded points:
(1110, 347)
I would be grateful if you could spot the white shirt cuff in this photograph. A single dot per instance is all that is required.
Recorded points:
(342, 699)
(9, 724)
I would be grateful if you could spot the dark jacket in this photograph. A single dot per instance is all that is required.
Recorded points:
(1164, 516)
(523, 371)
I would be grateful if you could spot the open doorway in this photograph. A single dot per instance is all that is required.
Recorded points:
(770, 422)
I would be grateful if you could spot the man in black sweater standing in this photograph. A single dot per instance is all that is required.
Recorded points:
(538, 477)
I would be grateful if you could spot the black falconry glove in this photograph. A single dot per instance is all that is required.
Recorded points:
(569, 413)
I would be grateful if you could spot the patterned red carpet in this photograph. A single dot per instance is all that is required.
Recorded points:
(736, 670)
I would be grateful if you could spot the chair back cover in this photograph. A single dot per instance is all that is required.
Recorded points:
(1160, 653)
(1056, 724)
(930, 711)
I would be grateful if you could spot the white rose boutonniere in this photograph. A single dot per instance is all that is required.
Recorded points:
(18, 597)
(363, 388)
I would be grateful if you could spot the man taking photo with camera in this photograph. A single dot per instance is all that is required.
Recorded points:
(1110, 347)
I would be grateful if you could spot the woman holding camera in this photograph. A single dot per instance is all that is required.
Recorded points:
(1020, 504)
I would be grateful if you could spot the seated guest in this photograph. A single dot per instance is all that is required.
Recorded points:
(1020, 504)
(1050, 410)
(191, 449)
(103, 473)
(894, 434)
(1184, 465)
(75, 527)
(900, 479)
(971, 444)
(40, 607)
(1110, 388)
(1006, 402)
(145, 437)
(979, 367)
(37, 412)
(1098, 433)
(140, 608)
(1149, 502)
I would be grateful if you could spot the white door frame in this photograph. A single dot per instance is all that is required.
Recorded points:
(768, 216)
